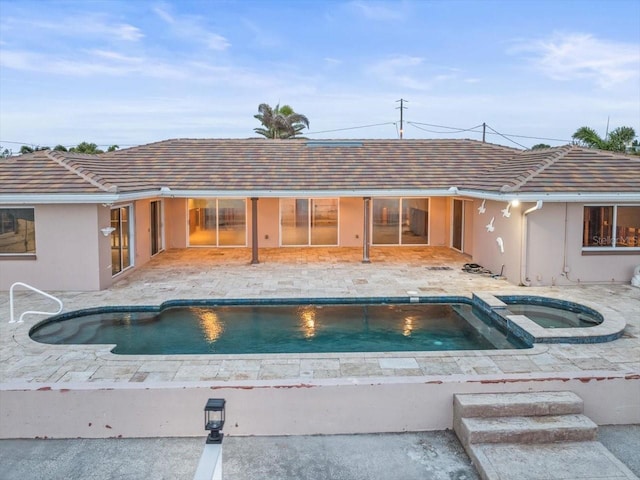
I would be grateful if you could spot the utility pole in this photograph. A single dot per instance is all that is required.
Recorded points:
(401, 107)
(484, 131)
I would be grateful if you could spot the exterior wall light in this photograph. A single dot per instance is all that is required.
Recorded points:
(214, 419)
(106, 231)
(515, 203)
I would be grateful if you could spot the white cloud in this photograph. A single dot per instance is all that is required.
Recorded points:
(84, 26)
(406, 71)
(582, 56)
(191, 27)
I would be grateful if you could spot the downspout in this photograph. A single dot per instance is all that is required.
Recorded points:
(524, 251)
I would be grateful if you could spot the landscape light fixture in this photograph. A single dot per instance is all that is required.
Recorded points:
(214, 419)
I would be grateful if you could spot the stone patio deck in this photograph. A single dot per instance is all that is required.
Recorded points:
(306, 272)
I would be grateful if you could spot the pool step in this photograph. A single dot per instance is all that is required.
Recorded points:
(539, 435)
(490, 333)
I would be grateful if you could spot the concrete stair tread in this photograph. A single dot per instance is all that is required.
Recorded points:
(548, 428)
(517, 404)
(548, 461)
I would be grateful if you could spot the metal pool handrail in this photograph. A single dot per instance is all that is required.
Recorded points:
(31, 311)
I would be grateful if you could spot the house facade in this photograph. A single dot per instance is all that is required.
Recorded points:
(559, 216)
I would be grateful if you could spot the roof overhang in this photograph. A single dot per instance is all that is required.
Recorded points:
(165, 192)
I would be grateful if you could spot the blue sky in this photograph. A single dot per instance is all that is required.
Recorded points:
(134, 72)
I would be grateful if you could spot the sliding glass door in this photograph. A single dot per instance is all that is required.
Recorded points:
(217, 222)
(400, 221)
(156, 227)
(308, 221)
(121, 239)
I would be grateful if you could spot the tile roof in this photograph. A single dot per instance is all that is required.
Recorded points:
(300, 165)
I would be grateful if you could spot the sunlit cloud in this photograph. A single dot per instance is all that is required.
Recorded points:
(582, 56)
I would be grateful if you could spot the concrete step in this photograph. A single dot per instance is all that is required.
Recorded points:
(543, 429)
(516, 404)
(550, 461)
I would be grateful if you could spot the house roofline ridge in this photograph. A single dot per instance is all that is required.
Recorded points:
(531, 173)
(82, 172)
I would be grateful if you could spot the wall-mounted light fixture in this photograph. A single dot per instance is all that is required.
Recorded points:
(482, 208)
(515, 203)
(110, 204)
(106, 231)
(214, 419)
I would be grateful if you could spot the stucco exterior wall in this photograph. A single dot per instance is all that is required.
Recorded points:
(469, 210)
(175, 223)
(351, 227)
(67, 241)
(486, 250)
(268, 222)
(555, 251)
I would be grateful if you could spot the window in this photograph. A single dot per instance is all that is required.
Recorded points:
(400, 221)
(611, 227)
(17, 231)
(309, 221)
(121, 244)
(218, 222)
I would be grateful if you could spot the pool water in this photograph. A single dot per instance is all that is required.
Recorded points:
(554, 317)
(247, 329)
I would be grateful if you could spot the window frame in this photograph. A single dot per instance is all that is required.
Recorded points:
(613, 247)
(22, 255)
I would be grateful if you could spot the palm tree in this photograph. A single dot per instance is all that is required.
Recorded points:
(279, 122)
(616, 141)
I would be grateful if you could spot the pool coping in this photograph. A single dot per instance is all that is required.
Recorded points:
(523, 328)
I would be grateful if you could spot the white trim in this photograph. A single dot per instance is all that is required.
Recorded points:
(19, 199)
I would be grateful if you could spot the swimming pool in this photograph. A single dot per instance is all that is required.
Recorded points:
(281, 326)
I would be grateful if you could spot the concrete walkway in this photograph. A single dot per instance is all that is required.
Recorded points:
(409, 456)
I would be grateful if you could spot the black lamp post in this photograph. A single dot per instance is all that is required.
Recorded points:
(214, 419)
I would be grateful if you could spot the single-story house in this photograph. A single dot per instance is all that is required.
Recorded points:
(556, 216)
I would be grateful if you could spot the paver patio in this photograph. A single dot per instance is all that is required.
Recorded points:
(306, 273)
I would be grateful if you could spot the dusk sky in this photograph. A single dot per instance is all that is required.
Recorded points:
(134, 72)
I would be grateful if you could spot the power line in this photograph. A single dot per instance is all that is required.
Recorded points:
(457, 129)
(350, 128)
(507, 138)
(452, 129)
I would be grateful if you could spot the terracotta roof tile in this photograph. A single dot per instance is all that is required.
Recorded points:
(257, 164)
